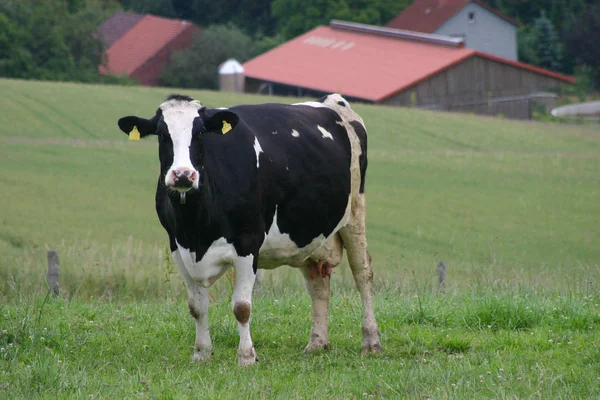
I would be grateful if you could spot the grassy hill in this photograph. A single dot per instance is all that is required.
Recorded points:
(511, 206)
(495, 199)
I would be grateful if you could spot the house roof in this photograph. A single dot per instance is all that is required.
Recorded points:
(363, 65)
(116, 26)
(141, 42)
(428, 15)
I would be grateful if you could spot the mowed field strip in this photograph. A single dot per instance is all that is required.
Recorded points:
(512, 207)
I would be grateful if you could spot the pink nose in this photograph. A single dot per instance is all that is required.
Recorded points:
(183, 177)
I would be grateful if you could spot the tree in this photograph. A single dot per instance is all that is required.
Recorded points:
(197, 67)
(51, 39)
(546, 43)
(163, 8)
(295, 17)
(582, 42)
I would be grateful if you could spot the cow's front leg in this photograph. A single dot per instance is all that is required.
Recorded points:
(198, 301)
(242, 307)
(198, 304)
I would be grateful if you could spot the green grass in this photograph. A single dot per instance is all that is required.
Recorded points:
(472, 345)
(511, 206)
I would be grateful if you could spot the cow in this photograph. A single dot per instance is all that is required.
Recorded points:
(260, 186)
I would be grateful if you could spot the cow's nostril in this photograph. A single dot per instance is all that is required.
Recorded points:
(183, 177)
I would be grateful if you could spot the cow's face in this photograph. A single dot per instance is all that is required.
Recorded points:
(180, 124)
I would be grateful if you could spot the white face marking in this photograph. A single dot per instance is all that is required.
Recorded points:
(179, 116)
(295, 133)
(257, 150)
(218, 258)
(324, 132)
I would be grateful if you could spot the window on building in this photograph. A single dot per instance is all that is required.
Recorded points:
(471, 17)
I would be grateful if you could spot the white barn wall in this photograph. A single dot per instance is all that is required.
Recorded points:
(488, 33)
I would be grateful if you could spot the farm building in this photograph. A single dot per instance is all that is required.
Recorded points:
(482, 27)
(139, 46)
(397, 67)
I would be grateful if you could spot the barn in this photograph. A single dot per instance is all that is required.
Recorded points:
(400, 68)
(482, 27)
(139, 46)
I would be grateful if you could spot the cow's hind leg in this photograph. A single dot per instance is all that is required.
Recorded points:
(355, 241)
(318, 289)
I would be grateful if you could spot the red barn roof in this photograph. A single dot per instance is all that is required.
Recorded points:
(148, 39)
(428, 15)
(371, 66)
(117, 25)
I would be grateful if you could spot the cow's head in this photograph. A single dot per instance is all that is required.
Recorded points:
(181, 124)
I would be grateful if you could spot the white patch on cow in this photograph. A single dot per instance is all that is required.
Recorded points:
(295, 133)
(242, 295)
(198, 298)
(324, 132)
(257, 150)
(310, 104)
(334, 101)
(179, 116)
(279, 249)
(277, 245)
(219, 257)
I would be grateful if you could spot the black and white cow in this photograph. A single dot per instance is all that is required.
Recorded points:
(259, 186)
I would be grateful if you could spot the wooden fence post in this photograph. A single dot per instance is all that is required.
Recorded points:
(53, 272)
(441, 270)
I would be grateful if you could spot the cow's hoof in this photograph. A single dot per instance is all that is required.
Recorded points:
(202, 354)
(371, 348)
(246, 358)
(371, 341)
(314, 347)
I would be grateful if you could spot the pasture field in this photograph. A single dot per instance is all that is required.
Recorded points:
(511, 206)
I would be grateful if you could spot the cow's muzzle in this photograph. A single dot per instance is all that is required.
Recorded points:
(182, 179)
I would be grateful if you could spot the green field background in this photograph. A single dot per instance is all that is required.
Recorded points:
(512, 207)
(494, 198)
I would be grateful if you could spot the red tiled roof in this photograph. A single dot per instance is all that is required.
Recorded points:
(141, 42)
(428, 15)
(117, 25)
(361, 65)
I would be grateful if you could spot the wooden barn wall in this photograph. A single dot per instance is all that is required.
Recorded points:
(477, 80)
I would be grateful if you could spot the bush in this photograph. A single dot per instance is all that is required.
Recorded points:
(197, 67)
(50, 40)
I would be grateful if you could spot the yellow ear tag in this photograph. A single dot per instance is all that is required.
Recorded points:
(226, 127)
(134, 134)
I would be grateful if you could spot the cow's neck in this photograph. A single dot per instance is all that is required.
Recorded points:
(192, 222)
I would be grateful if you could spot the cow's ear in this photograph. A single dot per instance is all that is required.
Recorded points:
(220, 122)
(137, 127)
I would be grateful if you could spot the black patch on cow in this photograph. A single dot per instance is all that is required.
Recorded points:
(179, 97)
(306, 179)
(341, 103)
(362, 159)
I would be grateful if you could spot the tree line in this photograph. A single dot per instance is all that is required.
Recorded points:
(57, 39)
